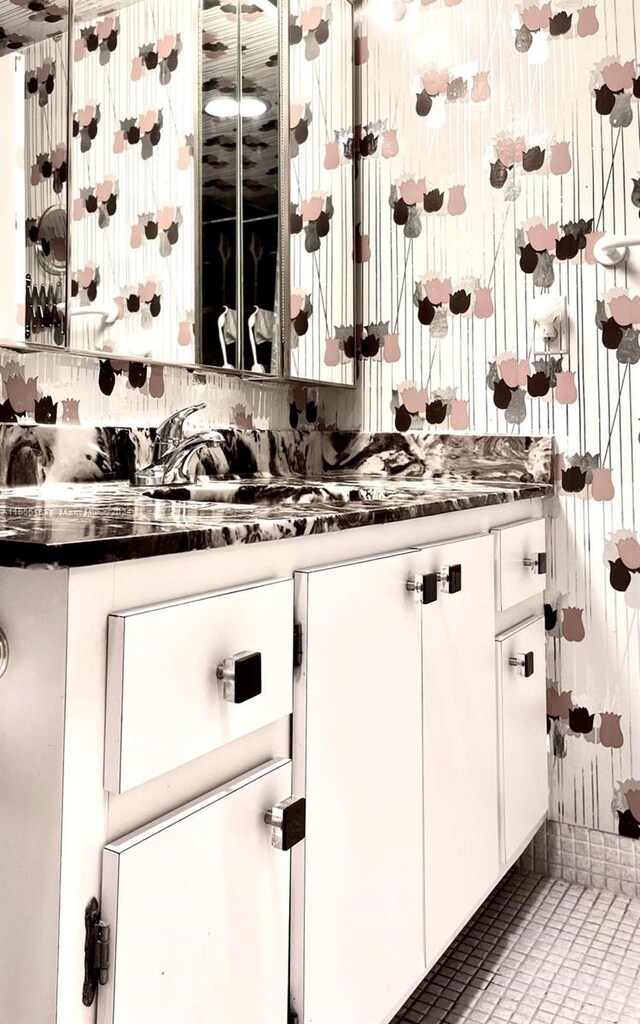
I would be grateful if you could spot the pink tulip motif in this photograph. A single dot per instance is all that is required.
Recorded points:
(412, 191)
(559, 704)
(542, 238)
(185, 155)
(391, 348)
(509, 371)
(536, 17)
(625, 310)
(591, 238)
(332, 352)
(618, 77)
(566, 393)
(22, 394)
(457, 203)
(480, 89)
(602, 488)
(587, 22)
(627, 547)
(156, 381)
(390, 147)
(560, 158)
(70, 412)
(572, 625)
(633, 802)
(437, 291)
(185, 333)
(483, 307)
(610, 730)
(459, 414)
(435, 82)
(414, 400)
(332, 156)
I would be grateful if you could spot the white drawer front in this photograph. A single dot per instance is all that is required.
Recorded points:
(516, 581)
(165, 704)
(523, 734)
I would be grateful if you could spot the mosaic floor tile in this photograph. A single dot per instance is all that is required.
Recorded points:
(539, 951)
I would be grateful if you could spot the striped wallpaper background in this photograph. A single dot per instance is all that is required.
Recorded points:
(503, 136)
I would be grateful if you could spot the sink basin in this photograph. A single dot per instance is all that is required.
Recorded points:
(269, 492)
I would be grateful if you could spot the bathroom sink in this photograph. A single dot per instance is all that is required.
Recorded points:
(269, 492)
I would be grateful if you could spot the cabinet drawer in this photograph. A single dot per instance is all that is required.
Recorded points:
(165, 703)
(516, 581)
(523, 733)
(198, 906)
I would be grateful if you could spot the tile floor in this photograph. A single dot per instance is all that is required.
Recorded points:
(540, 950)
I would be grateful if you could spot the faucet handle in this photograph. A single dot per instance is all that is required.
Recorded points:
(171, 430)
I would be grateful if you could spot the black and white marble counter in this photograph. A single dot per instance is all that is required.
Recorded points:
(391, 477)
(83, 524)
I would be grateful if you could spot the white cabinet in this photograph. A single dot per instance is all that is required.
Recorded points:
(520, 667)
(165, 703)
(198, 907)
(521, 563)
(357, 937)
(460, 737)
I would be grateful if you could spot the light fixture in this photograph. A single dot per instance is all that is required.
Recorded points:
(226, 106)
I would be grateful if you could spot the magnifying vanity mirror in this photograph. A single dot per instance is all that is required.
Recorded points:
(188, 187)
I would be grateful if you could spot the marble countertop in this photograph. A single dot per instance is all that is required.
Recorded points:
(64, 525)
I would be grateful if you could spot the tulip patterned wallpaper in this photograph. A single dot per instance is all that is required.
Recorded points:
(499, 141)
(133, 181)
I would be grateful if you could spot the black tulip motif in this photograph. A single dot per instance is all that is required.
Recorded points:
(611, 333)
(137, 375)
(627, 825)
(402, 419)
(560, 23)
(567, 247)
(550, 617)
(502, 394)
(533, 159)
(498, 175)
(433, 200)
(400, 212)
(436, 412)
(538, 384)
(581, 720)
(426, 312)
(370, 345)
(619, 575)
(605, 100)
(460, 302)
(528, 258)
(424, 103)
(574, 480)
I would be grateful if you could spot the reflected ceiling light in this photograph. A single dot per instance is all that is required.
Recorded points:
(226, 106)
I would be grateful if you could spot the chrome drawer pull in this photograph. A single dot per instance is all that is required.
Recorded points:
(524, 662)
(537, 563)
(288, 822)
(241, 675)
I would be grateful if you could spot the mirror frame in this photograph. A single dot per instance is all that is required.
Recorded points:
(284, 184)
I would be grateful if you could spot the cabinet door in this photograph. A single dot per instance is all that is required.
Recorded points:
(523, 732)
(460, 740)
(198, 904)
(357, 938)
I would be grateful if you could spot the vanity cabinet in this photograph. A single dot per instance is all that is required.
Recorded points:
(391, 700)
(357, 926)
(462, 857)
(198, 909)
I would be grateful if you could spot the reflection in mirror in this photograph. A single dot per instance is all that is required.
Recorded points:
(260, 109)
(219, 187)
(322, 215)
(133, 192)
(33, 198)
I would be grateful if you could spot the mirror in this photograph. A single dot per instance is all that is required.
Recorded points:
(210, 203)
(33, 198)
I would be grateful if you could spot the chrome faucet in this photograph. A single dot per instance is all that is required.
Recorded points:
(172, 451)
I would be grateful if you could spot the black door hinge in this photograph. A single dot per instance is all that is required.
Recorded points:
(293, 1017)
(297, 644)
(96, 951)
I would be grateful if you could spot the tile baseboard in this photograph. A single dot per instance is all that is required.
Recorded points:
(585, 856)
